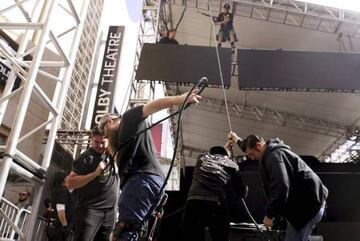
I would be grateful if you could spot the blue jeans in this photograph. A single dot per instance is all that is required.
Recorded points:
(138, 195)
(293, 234)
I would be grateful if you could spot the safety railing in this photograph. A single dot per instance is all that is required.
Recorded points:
(13, 222)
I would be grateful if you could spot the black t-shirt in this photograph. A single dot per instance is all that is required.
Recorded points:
(101, 192)
(211, 176)
(61, 195)
(138, 154)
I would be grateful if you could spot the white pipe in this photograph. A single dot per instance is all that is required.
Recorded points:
(43, 125)
(29, 26)
(23, 105)
(24, 158)
(44, 99)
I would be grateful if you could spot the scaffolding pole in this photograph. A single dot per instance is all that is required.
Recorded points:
(30, 86)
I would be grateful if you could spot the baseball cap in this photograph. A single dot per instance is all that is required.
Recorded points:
(218, 150)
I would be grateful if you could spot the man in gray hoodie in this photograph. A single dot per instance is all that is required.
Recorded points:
(292, 189)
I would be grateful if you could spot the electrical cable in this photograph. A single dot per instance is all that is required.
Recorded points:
(254, 221)
(201, 84)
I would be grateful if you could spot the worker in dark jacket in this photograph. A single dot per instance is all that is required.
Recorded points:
(292, 189)
(215, 171)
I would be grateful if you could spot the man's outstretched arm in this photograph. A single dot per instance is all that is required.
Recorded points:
(162, 103)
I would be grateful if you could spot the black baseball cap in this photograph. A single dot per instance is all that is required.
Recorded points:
(218, 150)
(227, 6)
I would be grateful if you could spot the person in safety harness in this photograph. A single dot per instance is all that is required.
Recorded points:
(226, 31)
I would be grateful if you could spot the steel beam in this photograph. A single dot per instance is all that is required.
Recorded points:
(274, 116)
(311, 14)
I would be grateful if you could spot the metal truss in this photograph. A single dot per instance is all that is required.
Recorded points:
(274, 116)
(346, 148)
(341, 133)
(192, 152)
(180, 150)
(28, 72)
(72, 137)
(340, 140)
(142, 91)
(288, 12)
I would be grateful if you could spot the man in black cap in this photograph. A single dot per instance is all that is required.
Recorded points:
(226, 32)
(292, 189)
(206, 203)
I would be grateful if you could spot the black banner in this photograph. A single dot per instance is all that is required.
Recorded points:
(301, 70)
(106, 87)
(183, 64)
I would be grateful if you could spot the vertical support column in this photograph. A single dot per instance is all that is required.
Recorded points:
(60, 102)
(23, 103)
(55, 106)
(139, 89)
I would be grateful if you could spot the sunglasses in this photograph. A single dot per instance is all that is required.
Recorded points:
(22, 194)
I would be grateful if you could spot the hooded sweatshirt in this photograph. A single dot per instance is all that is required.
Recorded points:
(292, 188)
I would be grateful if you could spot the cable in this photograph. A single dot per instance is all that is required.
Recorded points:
(219, 65)
(202, 83)
(253, 220)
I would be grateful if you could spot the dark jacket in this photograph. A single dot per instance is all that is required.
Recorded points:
(292, 189)
(211, 176)
(167, 40)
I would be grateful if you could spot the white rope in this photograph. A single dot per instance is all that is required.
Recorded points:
(219, 64)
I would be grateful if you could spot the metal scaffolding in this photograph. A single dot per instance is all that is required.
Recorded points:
(289, 12)
(139, 91)
(282, 118)
(142, 91)
(274, 116)
(42, 20)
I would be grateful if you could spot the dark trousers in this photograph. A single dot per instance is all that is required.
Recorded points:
(94, 224)
(200, 214)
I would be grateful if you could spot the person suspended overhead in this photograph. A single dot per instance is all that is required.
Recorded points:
(226, 31)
